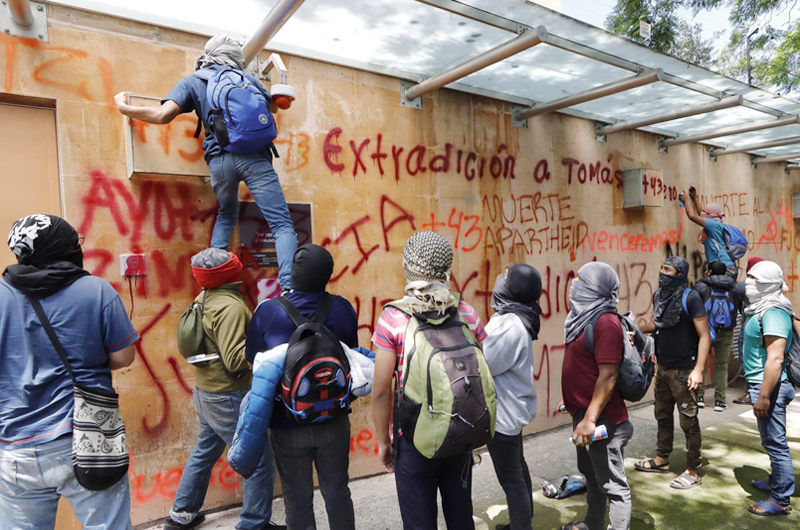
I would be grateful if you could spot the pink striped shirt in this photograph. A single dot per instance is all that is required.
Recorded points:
(390, 331)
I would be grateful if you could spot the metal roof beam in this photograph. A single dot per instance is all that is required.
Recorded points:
(621, 85)
(730, 131)
(682, 112)
(272, 23)
(526, 40)
(756, 160)
(754, 147)
(478, 15)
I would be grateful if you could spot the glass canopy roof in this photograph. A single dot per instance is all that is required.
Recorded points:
(416, 39)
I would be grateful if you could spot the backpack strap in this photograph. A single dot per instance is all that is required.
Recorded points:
(291, 310)
(323, 309)
(685, 300)
(588, 331)
(51, 334)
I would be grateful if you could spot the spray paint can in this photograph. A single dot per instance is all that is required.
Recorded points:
(600, 433)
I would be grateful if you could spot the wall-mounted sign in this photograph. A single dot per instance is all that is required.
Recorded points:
(256, 240)
(645, 29)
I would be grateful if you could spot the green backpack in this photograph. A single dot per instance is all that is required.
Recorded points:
(192, 337)
(446, 403)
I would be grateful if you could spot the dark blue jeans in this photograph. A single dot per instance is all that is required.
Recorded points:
(419, 478)
(256, 170)
(217, 414)
(773, 438)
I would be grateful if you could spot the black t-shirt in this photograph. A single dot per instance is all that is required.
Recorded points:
(676, 347)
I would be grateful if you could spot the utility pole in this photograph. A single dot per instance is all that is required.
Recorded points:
(749, 69)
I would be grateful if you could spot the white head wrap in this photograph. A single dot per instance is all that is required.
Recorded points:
(223, 50)
(765, 289)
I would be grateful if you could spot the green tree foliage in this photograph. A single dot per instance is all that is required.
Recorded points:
(774, 49)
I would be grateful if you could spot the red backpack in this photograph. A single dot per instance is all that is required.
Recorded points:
(316, 374)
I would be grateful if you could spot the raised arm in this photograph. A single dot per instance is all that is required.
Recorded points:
(691, 207)
(158, 115)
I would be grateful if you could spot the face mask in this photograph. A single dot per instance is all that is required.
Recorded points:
(751, 290)
(665, 281)
(573, 288)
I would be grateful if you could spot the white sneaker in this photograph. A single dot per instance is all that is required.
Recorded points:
(719, 406)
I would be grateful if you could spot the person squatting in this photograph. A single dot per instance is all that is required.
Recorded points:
(277, 385)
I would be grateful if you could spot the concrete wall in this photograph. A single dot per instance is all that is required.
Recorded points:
(374, 172)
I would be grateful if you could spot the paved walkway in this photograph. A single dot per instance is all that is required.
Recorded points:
(732, 457)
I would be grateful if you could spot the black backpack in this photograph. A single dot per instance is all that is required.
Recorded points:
(638, 366)
(316, 374)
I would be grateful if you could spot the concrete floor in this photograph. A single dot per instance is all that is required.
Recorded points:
(732, 457)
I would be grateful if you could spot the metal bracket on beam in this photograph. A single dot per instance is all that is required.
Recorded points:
(516, 122)
(37, 31)
(415, 103)
(663, 149)
(275, 62)
(600, 137)
(711, 156)
(753, 161)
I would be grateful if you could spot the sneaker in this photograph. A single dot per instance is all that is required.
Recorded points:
(719, 406)
(171, 524)
(274, 526)
(701, 402)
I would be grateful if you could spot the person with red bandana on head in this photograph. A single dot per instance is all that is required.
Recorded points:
(738, 336)
(713, 234)
(220, 387)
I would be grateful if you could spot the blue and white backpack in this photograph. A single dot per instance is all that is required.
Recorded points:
(239, 117)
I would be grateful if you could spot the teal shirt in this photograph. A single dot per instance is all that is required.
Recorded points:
(777, 323)
(715, 243)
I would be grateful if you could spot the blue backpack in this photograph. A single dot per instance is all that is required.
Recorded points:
(711, 328)
(239, 117)
(735, 242)
(720, 309)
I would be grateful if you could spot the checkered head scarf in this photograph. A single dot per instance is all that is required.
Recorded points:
(427, 259)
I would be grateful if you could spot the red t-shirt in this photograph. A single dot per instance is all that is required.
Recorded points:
(579, 371)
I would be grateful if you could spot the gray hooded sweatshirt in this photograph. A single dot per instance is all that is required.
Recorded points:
(509, 352)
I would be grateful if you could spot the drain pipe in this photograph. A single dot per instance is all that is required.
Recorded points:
(21, 13)
(272, 23)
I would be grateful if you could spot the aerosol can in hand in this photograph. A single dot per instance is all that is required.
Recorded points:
(600, 433)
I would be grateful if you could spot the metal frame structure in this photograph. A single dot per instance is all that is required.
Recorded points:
(417, 84)
(21, 13)
(730, 131)
(526, 40)
(791, 140)
(24, 18)
(621, 85)
(756, 160)
(272, 23)
(682, 112)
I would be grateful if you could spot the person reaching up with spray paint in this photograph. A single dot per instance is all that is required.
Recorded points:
(712, 236)
(243, 153)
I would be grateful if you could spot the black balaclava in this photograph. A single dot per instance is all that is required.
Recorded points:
(667, 302)
(519, 294)
(48, 255)
(311, 269)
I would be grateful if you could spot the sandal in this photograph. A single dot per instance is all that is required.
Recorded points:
(744, 400)
(768, 507)
(651, 466)
(578, 525)
(760, 485)
(686, 481)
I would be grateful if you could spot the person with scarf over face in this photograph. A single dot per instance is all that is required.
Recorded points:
(324, 445)
(227, 168)
(509, 352)
(588, 387)
(427, 259)
(36, 390)
(683, 341)
(712, 236)
(767, 337)
(220, 388)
